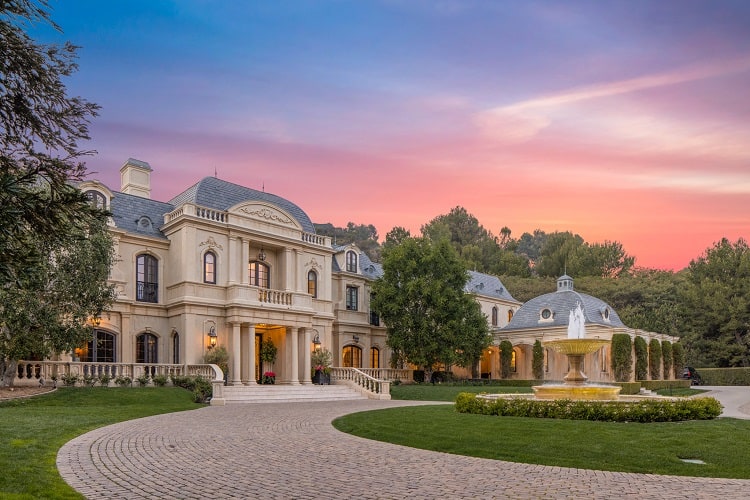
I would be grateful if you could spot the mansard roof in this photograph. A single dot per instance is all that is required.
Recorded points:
(136, 214)
(487, 285)
(559, 304)
(211, 192)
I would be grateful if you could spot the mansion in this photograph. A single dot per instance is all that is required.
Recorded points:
(225, 265)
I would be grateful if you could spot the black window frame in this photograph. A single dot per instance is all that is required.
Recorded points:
(352, 298)
(147, 278)
(351, 261)
(312, 283)
(147, 348)
(256, 276)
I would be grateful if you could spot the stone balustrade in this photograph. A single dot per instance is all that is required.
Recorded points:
(47, 372)
(266, 295)
(370, 386)
(389, 374)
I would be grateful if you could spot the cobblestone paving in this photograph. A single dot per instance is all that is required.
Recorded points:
(290, 450)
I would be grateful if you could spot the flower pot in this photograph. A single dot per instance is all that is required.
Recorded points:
(321, 378)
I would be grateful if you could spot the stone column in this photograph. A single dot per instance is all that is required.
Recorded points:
(307, 366)
(251, 334)
(245, 349)
(234, 259)
(295, 354)
(245, 244)
(236, 355)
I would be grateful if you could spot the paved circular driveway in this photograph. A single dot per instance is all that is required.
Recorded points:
(290, 450)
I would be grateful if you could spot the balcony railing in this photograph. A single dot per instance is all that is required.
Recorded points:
(146, 292)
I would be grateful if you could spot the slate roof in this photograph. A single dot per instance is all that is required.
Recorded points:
(218, 194)
(487, 285)
(561, 303)
(370, 269)
(135, 214)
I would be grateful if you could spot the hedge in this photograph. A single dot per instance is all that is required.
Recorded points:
(629, 387)
(652, 410)
(641, 358)
(654, 359)
(655, 385)
(622, 356)
(725, 376)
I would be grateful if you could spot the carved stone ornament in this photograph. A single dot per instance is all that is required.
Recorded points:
(313, 264)
(211, 242)
(267, 214)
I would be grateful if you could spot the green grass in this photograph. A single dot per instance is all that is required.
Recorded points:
(32, 431)
(724, 444)
(448, 392)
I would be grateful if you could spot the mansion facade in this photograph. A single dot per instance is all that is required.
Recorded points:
(225, 265)
(222, 265)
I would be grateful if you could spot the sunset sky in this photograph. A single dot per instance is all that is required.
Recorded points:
(617, 120)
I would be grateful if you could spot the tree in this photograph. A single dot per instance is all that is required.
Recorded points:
(47, 310)
(537, 360)
(717, 306)
(678, 358)
(420, 297)
(641, 358)
(556, 253)
(55, 248)
(622, 357)
(654, 359)
(364, 236)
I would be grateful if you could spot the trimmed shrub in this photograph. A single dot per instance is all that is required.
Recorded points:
(678, 359)
(90, 379)
(655, 385)
(537, 360)
(123, 381)
(606, 411)
(160, 380)
(629, 387)
(143, 379)
(199, 386)
(725, 376)
(506, 355)
(69, 379)
(641, 358)
(654, 359)
(622, 357)
(666, 354)
(104, 379)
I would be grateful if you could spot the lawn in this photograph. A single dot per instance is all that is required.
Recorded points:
(33, 430)
(656, 448)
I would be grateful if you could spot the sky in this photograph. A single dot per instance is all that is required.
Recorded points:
(622, 121)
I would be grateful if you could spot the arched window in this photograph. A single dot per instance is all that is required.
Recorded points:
(96, 199)
(101, 348)
(146, 348)
(352, 356)
(175, 347)
(351, 262)
(209, 267)
(374, 357)
(147, 279)
(312, 284)
(510, 315)
(259, 274)
(494, 316)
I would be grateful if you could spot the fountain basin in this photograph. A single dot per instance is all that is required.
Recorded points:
(577, 392)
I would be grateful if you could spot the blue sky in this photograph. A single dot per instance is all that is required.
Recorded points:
(618, 120)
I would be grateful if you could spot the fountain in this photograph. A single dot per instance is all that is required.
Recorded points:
(575, 347)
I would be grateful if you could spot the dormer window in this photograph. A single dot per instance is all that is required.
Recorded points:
(351, 262)
(605, 314)
(546, 314)
(96, 199)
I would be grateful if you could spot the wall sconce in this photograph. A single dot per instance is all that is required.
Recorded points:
(355, 338)
(261, 255)
(212, 338)
(316, 342)
(96, 321)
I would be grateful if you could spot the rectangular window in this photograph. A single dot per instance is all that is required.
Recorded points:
(352, 298)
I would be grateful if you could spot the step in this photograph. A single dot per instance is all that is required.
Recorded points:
(288, 393)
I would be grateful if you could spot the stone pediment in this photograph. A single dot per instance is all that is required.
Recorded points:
(267, 213)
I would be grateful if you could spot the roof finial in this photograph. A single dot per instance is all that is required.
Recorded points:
(263, 187)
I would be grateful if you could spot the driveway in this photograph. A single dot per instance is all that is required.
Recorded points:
(290, 450)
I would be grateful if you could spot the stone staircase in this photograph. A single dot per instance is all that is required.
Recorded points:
(289, 393)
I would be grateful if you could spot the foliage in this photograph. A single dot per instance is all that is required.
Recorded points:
(506, 357)
(608, 411)
(622, 357)
(321, 360)
(269, 378)
(104, 379)
(364, 236)
(33, 430)
(726, 376)
(200, 387)
(421, 299)
(717, 305)
(567, 253)
(537, 360)
(69, 379)
(654, 359)
(90, 379)
(123, 381)
(449, 390)
(666, 354)
(218, 356)
(641, 358)
(159, 380)
(268, 351)
(143, 379)
(678, 359)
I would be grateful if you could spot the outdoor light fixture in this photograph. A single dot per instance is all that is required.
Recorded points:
(356, 338)
(97, 321)
(261, 255)
(212, 338)
(316, 341)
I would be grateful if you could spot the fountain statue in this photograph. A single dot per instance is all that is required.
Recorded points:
(575, 347)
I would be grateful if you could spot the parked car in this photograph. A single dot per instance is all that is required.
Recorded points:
(690, 373)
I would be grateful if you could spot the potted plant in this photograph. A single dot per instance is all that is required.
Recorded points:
(268, 352)
(269, 378)
(321, 366)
